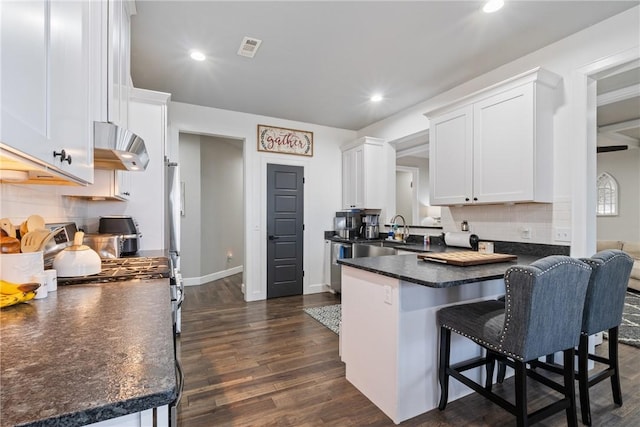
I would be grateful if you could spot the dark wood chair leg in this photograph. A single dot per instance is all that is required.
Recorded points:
(491, 360)
(502, 372)
(613, 364)
(521, 394)
(583, 379)
(443, 375)
(569, 386)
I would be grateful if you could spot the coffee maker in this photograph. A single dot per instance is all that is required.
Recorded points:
(347, 224)
(370, 226)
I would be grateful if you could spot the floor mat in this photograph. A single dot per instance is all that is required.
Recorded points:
(329, 316)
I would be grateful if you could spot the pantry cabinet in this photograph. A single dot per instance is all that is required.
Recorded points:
(48, 70)
(363, 174)
(495, 146)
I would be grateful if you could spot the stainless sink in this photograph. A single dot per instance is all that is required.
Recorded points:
(363, 250)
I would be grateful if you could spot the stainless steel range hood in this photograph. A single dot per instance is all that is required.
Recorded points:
(118, 148)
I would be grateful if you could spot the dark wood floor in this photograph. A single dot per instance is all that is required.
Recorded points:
(267, 363)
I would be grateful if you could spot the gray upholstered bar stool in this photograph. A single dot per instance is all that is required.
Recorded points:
(542, 315)
(603, 308)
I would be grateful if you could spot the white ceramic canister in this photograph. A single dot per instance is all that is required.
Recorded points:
(20, 268)
(52, 280)
(43, 290)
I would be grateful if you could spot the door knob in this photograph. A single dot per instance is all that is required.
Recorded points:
(272, 237)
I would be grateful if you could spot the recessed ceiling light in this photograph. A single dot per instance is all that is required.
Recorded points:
(376, 98)
(493, 5)
(197, 56)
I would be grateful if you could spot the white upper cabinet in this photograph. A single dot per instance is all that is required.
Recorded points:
(48, 67)
(451, 179)
(495, 146)
(363, 174)
(119, 61)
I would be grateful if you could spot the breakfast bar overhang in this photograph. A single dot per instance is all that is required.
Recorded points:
(389, 336)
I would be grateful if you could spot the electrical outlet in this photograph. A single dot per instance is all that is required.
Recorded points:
(562, 234)
(526, 233)
(387, 295)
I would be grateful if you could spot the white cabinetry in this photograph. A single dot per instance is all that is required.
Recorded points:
(107, 185)
(48, 70)
(326, 271)
(363, 174)
(495, 146)
(119, 61)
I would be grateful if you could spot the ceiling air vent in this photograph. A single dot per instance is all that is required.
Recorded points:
(249, 47)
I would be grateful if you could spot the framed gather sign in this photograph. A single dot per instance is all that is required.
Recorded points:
(285, 141)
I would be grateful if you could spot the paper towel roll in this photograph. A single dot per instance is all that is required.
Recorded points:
(459, 239)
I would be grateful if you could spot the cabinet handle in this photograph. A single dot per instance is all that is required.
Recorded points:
(466, 199)
(475, 199)
(63, 156)
(126, 193)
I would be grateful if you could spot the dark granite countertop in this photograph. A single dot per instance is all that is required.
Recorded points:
(87, 353)
(411, 269)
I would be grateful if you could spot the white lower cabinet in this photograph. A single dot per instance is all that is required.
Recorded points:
(495, 146)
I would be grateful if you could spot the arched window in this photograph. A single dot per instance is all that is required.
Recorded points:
(607, 195)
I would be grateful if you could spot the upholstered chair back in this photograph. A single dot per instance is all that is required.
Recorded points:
(544, 306)
(606, 292)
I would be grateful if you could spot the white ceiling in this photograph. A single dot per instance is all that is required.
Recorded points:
(320, 61)
(619, 106)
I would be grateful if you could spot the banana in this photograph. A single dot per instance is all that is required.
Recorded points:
(8, 300)
(8, 288)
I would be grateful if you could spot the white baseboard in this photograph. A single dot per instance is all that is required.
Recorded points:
(195, 281)
(317, 288)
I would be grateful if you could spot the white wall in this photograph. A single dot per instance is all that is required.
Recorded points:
(566, 57)
(213, 226)
(624, 166)
(404, 195)
(322, 188)
(422, 164)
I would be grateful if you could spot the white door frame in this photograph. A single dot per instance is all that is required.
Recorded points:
(583, 207)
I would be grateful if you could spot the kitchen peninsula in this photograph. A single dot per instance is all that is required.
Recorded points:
(89, 353)
(388, 335)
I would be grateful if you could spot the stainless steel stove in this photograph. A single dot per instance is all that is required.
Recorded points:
(119, 269)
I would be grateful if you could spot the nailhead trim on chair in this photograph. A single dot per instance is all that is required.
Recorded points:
(508, 310)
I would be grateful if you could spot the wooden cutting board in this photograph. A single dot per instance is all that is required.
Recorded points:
(465, 258)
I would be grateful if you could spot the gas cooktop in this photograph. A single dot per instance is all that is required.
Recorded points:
(119, 269)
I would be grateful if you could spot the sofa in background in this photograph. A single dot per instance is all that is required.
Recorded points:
(633, 249)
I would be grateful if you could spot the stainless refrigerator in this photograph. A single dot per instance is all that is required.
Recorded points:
(172, 211)
(172, 245)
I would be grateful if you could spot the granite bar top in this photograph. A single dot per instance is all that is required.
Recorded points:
(87, 353)
(435, 275)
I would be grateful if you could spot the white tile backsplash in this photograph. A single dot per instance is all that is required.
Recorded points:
(20, 201)
(508, 222)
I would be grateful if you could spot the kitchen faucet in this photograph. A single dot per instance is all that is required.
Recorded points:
(405, 230)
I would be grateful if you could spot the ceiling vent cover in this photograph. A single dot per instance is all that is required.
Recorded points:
(249, 47)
